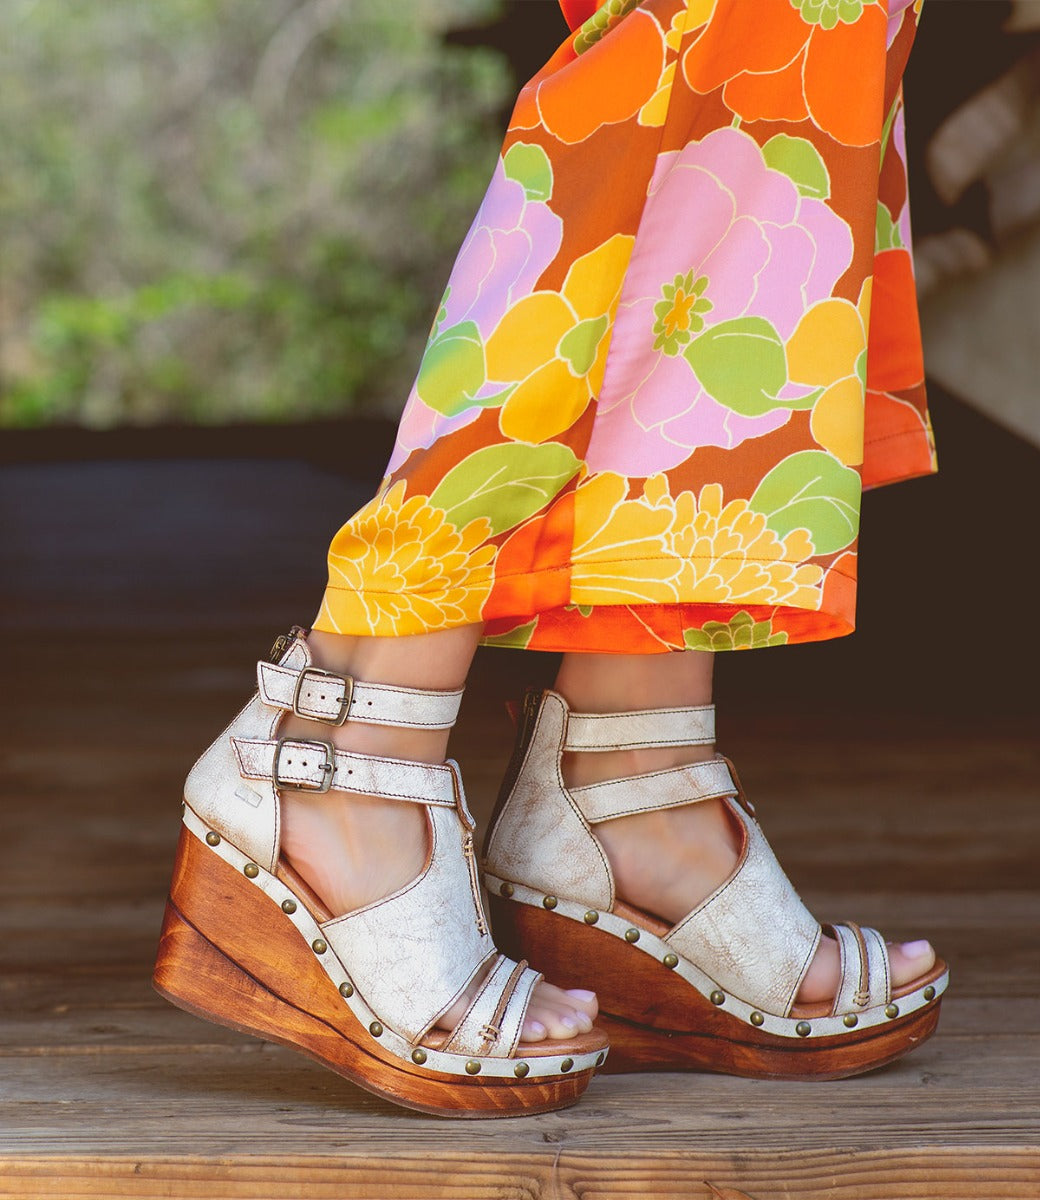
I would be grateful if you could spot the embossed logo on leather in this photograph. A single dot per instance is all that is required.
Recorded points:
(253, 799)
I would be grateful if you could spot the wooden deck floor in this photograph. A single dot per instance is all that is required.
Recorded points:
(119, 666)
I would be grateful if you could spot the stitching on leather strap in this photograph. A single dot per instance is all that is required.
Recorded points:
(630, 730)
(373, 703)
(861, 996)
(492, 1030)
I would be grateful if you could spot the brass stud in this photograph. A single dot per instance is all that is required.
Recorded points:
(549, 902)
(213, 839)
(591, 917)
(521, 1069)
(506, 890)
(472, 1067)
(318, 946)
(601, 1058)
(670, 960)
(184, 808)
(375, 1029)
(803, 1029)
(850, 1020)
(346, 989)
(419, 1056)
(891, 1010)
(929, 992)
(566, 1065)
(631, 935)
(251, 870)
(717, 997)
(757, 1019)
(288, 906)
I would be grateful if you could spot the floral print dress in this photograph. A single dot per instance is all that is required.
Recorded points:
(678, 341)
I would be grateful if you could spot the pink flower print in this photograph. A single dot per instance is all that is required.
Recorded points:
(718, 210)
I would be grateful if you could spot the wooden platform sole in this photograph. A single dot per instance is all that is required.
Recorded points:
(657, 1021)
(229, 955)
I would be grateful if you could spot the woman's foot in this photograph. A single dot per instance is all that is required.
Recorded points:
(666, 862)
(353, 850)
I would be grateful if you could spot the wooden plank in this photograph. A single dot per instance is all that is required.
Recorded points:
(241, 1097)
(934, 1173)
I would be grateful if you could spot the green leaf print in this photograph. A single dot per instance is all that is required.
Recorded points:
(452, 370)
(811, 490)
(886, 231)
(578, 346)
(741, 363)
(505, 483)
(516, 639)
(529, 166)
(741, 632)
(801, 162)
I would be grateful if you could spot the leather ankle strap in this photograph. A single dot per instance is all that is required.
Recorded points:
(659, 789)
(318, 767)
(641, 729)
(325, 696)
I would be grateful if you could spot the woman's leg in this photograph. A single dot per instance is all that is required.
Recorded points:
(353, 850)
(667, 861)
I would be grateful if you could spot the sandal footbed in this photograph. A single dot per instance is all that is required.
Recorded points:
(228, 954)
(656, 1020)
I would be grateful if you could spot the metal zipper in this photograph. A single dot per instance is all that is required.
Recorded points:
(474, 883)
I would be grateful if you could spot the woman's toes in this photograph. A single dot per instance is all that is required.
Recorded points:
(910, 960)
(556, 1014)
(583, 1001)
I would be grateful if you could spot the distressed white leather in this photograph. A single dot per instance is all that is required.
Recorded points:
(656, 789)
(302, 764)
(865, 978)
(753, 935)
(539, 836)
(247, 814)
(321, 695)
(639, 730)
(495, 1017)
(413, 954)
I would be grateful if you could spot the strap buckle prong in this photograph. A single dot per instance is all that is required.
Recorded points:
(327, 767)
(314, 673)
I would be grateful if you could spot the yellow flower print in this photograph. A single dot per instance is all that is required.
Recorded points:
(399, 566)
(553, 345)
(828, 349)
(728, 553)
(693, 16)
(620, 546)
(660, 549)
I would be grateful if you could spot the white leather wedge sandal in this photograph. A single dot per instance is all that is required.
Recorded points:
(246, 944)
(717, 990)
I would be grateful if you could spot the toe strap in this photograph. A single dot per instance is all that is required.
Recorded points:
(866, 981)
(492, 1024)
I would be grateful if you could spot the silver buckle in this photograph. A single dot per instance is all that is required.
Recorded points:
(327, 768)
(344, 703)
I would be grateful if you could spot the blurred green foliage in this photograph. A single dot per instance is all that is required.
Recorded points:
(221, 210)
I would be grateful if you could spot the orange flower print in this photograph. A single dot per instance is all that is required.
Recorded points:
(792, 62)
(608, 82)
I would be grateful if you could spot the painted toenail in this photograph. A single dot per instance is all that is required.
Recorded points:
(569, 1023)
(581, 995)
(537, 1028)
(916, 949)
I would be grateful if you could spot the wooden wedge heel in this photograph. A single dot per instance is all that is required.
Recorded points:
(716, 991)
(244, 944)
